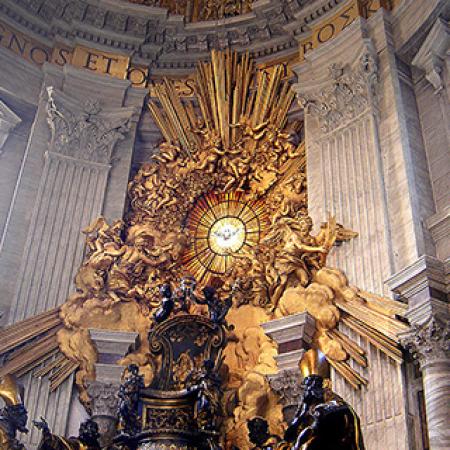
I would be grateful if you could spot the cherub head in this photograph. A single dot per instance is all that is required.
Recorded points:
(304, 224)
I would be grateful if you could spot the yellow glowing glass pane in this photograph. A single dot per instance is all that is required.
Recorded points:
(227, 235)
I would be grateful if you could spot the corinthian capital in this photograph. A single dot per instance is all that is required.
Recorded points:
(104, 399)
(428, 342)
(85, 131)
(286, 384)
(351, 91)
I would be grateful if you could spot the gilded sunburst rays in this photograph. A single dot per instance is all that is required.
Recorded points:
(220, 225)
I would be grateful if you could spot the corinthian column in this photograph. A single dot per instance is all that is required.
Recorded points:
(424, 285)
(429, 343)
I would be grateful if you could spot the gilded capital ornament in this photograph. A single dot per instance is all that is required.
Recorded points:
(429, 342)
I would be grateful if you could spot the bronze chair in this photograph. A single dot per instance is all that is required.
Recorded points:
(169, 407)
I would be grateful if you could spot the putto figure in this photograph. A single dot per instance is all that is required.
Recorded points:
(323, 421)
(217, 308)
(14, 416)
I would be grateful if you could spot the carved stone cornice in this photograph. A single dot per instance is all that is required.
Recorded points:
(428, 342)
(350, 93)
(423, 284)
(104, 399)
(85, 131)
(426, 272)
(8, 121)
(166, 41)
(432, 53)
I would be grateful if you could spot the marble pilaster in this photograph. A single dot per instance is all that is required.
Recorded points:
(8, 121)
(76, 168)
(70, 195)
(432, 62)
(339, 87)
(365, 161)
(20, 86)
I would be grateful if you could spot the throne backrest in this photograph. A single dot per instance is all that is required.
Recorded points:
(180, 345)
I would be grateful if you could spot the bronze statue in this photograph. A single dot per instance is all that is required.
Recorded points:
(129, 421)
(207, 409)
(217, 308)
(14, 416)
(87, 439)
(259, 435)
(167, 304)
(323, 421)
